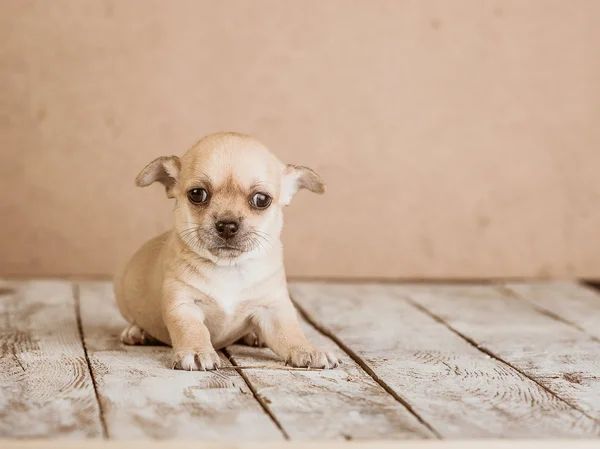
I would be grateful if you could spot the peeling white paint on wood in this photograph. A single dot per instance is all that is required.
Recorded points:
(460, 391)
(559, 356)
(344, 403)
(573, 302)
(45, 385)
(368, 444)
(420, 341)
(142, 397)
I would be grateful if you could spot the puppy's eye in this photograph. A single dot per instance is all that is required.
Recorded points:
(198, 196)
(260, 201)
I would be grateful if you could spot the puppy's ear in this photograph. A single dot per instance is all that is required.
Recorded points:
(164, 170)
(296, 177)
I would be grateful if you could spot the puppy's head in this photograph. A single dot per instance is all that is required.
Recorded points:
(229, 191)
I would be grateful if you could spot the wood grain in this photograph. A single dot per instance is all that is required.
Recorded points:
(410, 444)
(460, 391)
(557, 355)
(141, 397)
(576, 304)
(45, 384)
(344, 403)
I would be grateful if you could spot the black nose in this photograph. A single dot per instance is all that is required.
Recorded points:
(227, 229)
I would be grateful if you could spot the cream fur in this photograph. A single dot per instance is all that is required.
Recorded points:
(182, 290)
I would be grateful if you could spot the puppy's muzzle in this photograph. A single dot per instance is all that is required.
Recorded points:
(227, 229)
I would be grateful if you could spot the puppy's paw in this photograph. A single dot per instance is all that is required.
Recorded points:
(311, 357)
(196, 360)
(135, 335)
(252, 339)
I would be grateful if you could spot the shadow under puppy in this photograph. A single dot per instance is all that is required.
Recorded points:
(218, 275)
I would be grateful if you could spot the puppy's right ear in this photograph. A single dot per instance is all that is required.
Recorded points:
(164, 169)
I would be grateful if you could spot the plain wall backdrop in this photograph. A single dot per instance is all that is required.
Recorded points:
(459, 139)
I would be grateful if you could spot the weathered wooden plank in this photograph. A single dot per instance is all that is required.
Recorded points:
(141, 397)
(572, 302)
(457, 389)
(45, 384)
(558, 356)
(364, 444)
(343, 403)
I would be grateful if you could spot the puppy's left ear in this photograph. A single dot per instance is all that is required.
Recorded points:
(164, 169)
(296, 177)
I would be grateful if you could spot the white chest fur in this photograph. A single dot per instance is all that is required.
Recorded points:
(226, 298)
(228, 287)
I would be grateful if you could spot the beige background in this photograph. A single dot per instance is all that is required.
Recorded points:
(459, 138)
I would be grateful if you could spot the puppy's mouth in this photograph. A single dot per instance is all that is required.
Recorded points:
(226, 251)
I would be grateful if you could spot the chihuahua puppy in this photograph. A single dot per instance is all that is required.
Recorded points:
(217, 276)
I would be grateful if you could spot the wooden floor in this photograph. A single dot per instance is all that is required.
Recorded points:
(419, 362)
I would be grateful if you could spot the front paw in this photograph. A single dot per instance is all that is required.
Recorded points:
(196, 360)
(312, 357)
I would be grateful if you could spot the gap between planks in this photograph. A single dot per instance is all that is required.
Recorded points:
(513, 292)
(46, 390)
(415, 344)
(357, 406)
(77, 308)
(365, 367)
(261, 401)
(354, 356)
(491, 354)
(366, 444)
(143, 398)
(397, 421)
(345, 348)
(557, 354)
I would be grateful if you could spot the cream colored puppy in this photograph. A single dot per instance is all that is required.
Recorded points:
(218, 275)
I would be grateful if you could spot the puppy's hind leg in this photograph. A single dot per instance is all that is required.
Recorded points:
(252, 339)
(135, 335)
